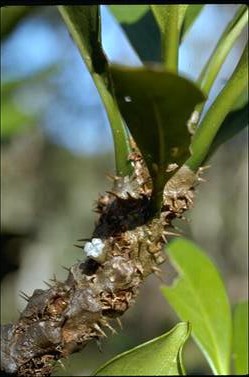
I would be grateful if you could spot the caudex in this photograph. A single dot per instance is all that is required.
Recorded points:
(126, 246)
(135, 216)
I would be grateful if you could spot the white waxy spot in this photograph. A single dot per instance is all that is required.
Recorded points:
(127, 99)
(94, 249)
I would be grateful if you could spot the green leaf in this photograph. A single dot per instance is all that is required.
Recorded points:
(219, 54)
(198, 295)
(234, 123)
(216, 114)
(192, 12)
(13, 119)
(144, 36)
(222, 49)
(156, 106)
(169, 19)
(11, 16)
(83, 22)
(240, 338)
(128, 13)
(161, 356)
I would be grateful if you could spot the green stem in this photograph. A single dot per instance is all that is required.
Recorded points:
(222, 49)
(121, 139)
(84, 24)
(169, 19)
(171, 39)
(210, 124)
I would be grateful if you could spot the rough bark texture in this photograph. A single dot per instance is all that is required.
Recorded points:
(64, 318)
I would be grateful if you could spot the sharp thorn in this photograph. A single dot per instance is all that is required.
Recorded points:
(79, 247)
(129, 195)
(49, 285)
(98, 328)
(168, 233)
(24, 298)
(54, 279)
(25, 295)
(61, 364)
(99, 345)
(164, 238)
(66, 268)
(202, 168)
(119, 322)
(199, 179)
(113, 193)
(156, 269)
(158, 273)
(111, 177)
(84, 240)
(110, 327)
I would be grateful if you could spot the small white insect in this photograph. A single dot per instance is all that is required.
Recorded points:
(94, 249)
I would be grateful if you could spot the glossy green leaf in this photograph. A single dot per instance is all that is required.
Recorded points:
(128, 13)
(156, 106)
(192, 13)
(198, 295)
(161, 356)
(240, 338)
(83, 22)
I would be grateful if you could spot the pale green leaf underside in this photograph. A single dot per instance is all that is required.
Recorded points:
(198, 295)
(161, 356)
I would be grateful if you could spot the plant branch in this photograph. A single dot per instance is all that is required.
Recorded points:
(64, 318)
(222, 105)
(221, 51)
(83, 23)
(170, 19)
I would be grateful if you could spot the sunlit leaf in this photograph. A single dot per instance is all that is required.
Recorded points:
(83, 22)
(161, 356)
(240, 338)
(156, 106)
(198, 295)
(128, 13)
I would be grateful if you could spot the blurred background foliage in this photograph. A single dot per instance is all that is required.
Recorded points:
(56, 149)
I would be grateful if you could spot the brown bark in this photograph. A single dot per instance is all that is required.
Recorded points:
(64, 318)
